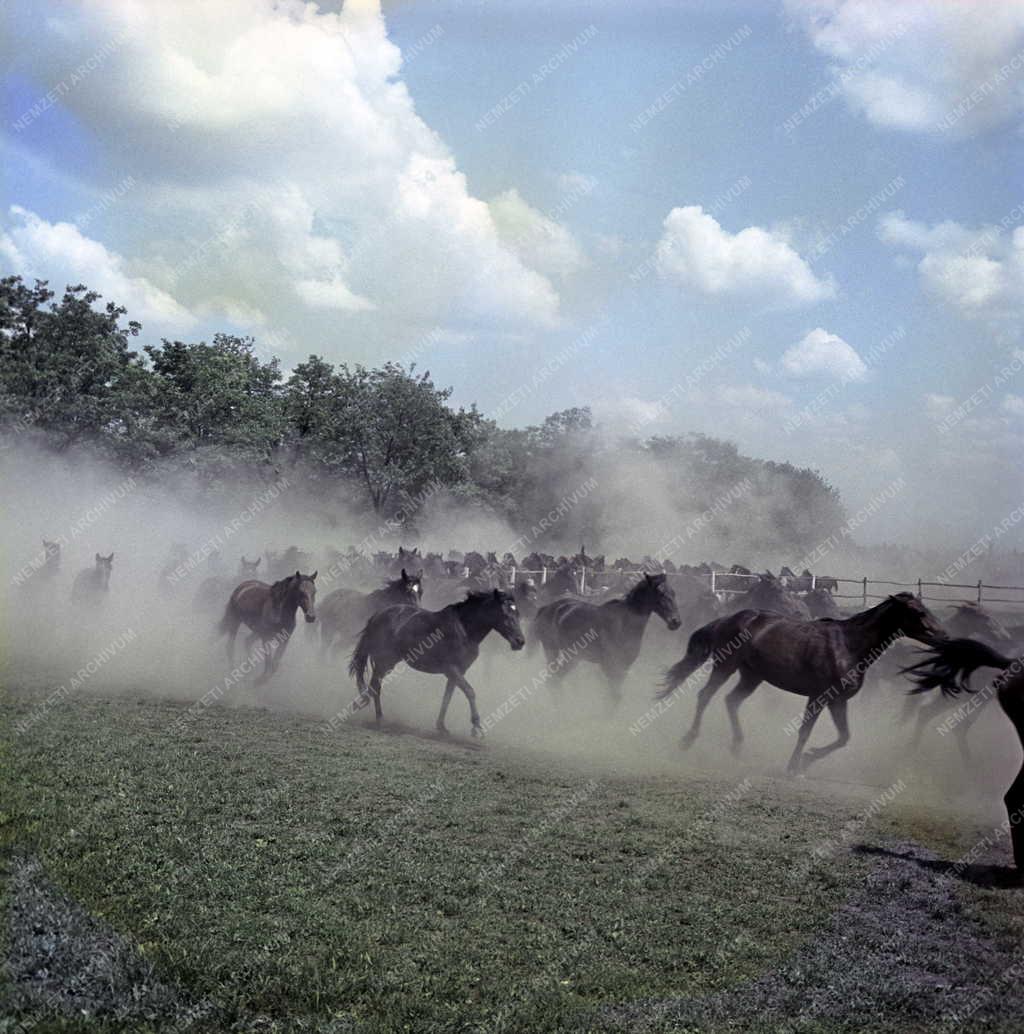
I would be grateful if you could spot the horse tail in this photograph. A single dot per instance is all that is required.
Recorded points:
(360, 658)
(698, 650)
(948, 665)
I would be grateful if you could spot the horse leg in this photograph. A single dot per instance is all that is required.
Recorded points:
(375, 683)
(836, 708)
(279, 652)
(811, 712)
(470, 694)
(1014, 801)
(746, 685)
(716, 680)
(449, 689)
(615, 679)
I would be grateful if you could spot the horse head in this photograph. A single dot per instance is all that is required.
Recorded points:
(913, 619)
(505, 618)
(655, 594)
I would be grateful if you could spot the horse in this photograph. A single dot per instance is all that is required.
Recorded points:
(968, 620)
(269, 611)
(949, 665)
(769, 594)
(564, 579)
(441, 642)
(821, 604)
(608, 634)
(344, 612)
(526, 598)
(92, 584)
(823, 660)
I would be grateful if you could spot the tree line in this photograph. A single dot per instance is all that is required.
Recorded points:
(72, 378)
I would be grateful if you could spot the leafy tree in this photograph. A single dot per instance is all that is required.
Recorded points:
(67, 369)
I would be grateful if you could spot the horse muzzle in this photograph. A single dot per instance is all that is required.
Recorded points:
(310, 618)
(673, 623)
(518, 643)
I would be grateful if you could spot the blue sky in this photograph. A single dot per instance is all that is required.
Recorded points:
(330, 180)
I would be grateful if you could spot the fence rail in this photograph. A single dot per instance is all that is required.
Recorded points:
(956, 590)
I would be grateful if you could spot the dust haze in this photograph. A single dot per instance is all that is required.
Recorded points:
(152, 640)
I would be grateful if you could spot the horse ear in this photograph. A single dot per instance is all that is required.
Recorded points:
(647, 575)
(497, 594)
(298, 574)
(258, 559)
(111, 557)
(405, 577)
(312, 577)
(97, 558)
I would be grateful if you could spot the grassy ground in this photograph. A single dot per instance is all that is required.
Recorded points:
(283, 876)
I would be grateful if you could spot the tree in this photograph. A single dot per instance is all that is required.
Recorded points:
(67, 369)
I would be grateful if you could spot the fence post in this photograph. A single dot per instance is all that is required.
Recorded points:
(544, 575)
(979, 590)
(919, 596)
(814, 582)
(712, 580)
(583, 579)
(513, 577)
(864, 587)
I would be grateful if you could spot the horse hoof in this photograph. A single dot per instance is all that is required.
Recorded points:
(687, 742)
(477, 732)
(441, 730)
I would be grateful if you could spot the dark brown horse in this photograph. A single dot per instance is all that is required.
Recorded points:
(93, 584)
(269, 610)
(824, 661)
(609, 634)
(968, 620)
(949, 665)
(344, 612)
(442, 642)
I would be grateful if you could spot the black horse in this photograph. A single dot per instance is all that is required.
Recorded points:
(343, 613)
(608, 634)
(949, 665)
(823, 660)
(442, 642)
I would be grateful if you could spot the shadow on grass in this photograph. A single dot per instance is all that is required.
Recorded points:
(1000, 877)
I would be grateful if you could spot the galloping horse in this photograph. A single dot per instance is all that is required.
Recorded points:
(344, 612)
(968, 620)
(949, 665)
(823, 660)
(442, 642)
(92, 584)
(269, 610)
(608, 634)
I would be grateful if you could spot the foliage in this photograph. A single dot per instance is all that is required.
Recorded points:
(379, 437)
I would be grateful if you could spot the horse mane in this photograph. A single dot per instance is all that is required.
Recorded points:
(637, 591)
(279, 590)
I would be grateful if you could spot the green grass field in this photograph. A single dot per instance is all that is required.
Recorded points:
(280, 876)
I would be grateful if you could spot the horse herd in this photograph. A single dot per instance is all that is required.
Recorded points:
(766, 634)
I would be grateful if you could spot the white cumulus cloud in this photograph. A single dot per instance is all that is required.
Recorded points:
(697, 253)
(281, 168)
(934, 66)
(979, 272)
(819, 352)
(62, 254)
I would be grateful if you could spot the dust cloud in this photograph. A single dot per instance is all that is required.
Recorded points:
(153, 637)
